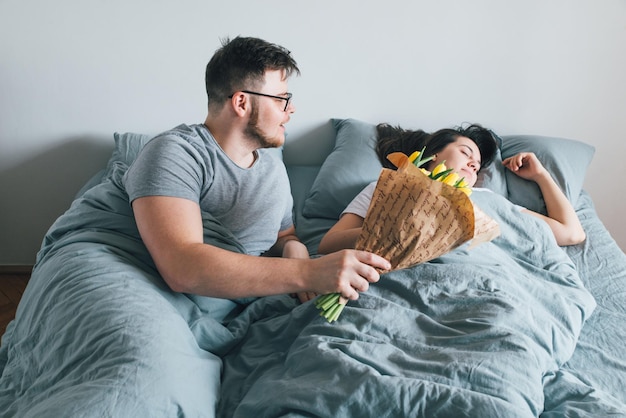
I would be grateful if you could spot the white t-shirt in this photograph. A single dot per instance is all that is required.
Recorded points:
(361, 202)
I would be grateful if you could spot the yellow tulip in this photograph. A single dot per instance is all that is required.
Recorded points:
(425, 171)
(440, 168)
(466, 190)
(462, 183)
(414, 156)
(451, 179)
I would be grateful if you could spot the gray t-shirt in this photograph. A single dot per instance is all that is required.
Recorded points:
(254, 203)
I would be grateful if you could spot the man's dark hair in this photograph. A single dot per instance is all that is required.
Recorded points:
(241, 64)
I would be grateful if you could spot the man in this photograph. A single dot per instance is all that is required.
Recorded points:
(222, 168)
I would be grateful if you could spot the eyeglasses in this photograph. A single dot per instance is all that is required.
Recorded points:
(286, 99)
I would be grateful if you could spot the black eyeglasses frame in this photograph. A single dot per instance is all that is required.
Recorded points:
(256, 93)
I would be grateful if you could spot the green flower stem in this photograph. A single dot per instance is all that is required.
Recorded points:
(330, 306)
(326, 301)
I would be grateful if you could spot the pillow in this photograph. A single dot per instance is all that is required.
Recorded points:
(493, 176)
(566, 160)
(351, 165)
(127, 146)
(309, 230)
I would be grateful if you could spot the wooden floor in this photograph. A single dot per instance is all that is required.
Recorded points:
(12, 287)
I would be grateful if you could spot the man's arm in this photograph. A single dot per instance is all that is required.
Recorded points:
(171, 229)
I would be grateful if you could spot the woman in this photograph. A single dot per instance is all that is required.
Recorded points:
(466, 151)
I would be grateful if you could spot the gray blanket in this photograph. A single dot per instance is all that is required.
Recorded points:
(99, 333)
(473, 333)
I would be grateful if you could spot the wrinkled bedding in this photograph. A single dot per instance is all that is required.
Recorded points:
(592, 382)
(473, 333)
(488, 332)
(98, 333)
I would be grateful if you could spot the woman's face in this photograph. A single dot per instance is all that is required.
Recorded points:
(462, 156)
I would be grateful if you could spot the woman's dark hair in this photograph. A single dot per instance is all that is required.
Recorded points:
(241, 63)
(395, 139)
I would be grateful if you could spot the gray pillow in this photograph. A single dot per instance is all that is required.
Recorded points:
(351, 166)
(566, 160)
(492, 177)
(127, 146)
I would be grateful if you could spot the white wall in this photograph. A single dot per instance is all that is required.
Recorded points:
(74, 71)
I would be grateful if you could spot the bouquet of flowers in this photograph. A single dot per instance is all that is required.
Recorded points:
(415, 216)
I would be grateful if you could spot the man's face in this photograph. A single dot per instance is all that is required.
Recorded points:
(268, 116)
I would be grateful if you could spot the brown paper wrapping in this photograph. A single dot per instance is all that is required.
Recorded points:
(413, 219)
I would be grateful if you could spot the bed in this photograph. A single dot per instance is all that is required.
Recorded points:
(517, 327)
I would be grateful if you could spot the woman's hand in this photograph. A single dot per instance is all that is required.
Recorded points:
(526, 165)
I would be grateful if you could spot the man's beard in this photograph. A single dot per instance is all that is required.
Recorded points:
(253, 133)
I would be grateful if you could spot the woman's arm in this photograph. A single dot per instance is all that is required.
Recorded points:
(342, 235)
(562, 218)
(289, 246)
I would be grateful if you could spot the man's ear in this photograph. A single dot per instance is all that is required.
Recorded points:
(240, 103)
